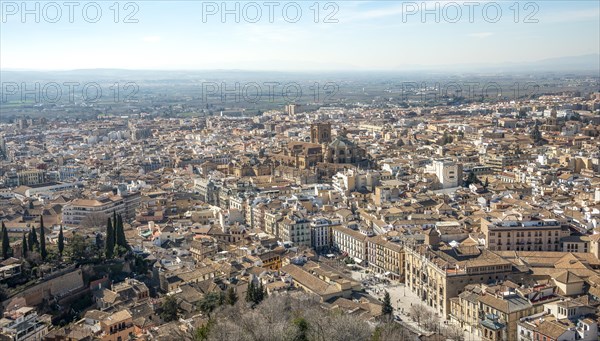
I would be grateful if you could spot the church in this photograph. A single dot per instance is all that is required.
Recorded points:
(340, 150)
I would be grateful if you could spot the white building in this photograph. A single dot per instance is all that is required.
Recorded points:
(448, 172)
(320, 233)
(351, 242)
(353, 180)
(23, 324)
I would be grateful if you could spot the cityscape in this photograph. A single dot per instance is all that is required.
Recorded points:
(299, 171)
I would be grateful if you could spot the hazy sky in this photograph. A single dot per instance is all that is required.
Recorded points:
(367, 34)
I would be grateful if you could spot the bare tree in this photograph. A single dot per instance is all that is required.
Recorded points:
(274, 320)
(454, 333)
(431, 322)
(94, 220)
(392, 332)
(417, 313)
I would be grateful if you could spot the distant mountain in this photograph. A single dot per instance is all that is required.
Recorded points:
(589, 62)
(585, 63)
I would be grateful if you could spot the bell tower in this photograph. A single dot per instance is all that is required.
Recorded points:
(320, 133)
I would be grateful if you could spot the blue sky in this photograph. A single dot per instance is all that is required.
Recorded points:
(368, 35)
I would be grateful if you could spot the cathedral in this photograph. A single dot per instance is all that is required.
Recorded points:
(340, 150)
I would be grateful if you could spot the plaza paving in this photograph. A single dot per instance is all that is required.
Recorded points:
(403, 299)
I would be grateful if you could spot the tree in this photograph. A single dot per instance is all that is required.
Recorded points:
(114, 221)
(255, 293)
(109, 246)
(431, 322)
(472, 179)
(140, 265)
(170, 309)
(24, 247)
(487, 182)
(202, 333)
(446, 139)
(454, 333)
(210, 302)
(43, 251)
(250, 292)
(417, 313)
(61, 241)
(231, 297)
(120, 241)
(387, 310)
(301, 329)
(6, 252)
(390, 331)
(78, 248)
(259, 293)
(93, 220)
(33, 241)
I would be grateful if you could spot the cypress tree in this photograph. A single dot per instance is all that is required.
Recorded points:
(43, 251)
(24, 247)
(5, 242)
(30, 242)
(110, 240)
(120, 234)
(114, 221)
(61, 241)
(387, 308)
(231, 296)
(33, 241)
(259, 293)
(250, 292)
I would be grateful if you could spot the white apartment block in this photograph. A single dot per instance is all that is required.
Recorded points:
(351, 242)
(296, 229)
(320, 233)
(77, 210)
(353, 180)
(23, 324)
(448, 172)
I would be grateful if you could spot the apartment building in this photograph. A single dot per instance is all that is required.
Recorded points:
(22, 324)
(295, 228)
(437, 275)
(520, 232)
(117, 327)
(501, 162)
(351, 242)
(31, 177)
(355, 180)
(75, 212)
(385, 257)
(320, 233)
(46, 188)
(564, 320)
(208, 190)
(501, 312)
(448, 172)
